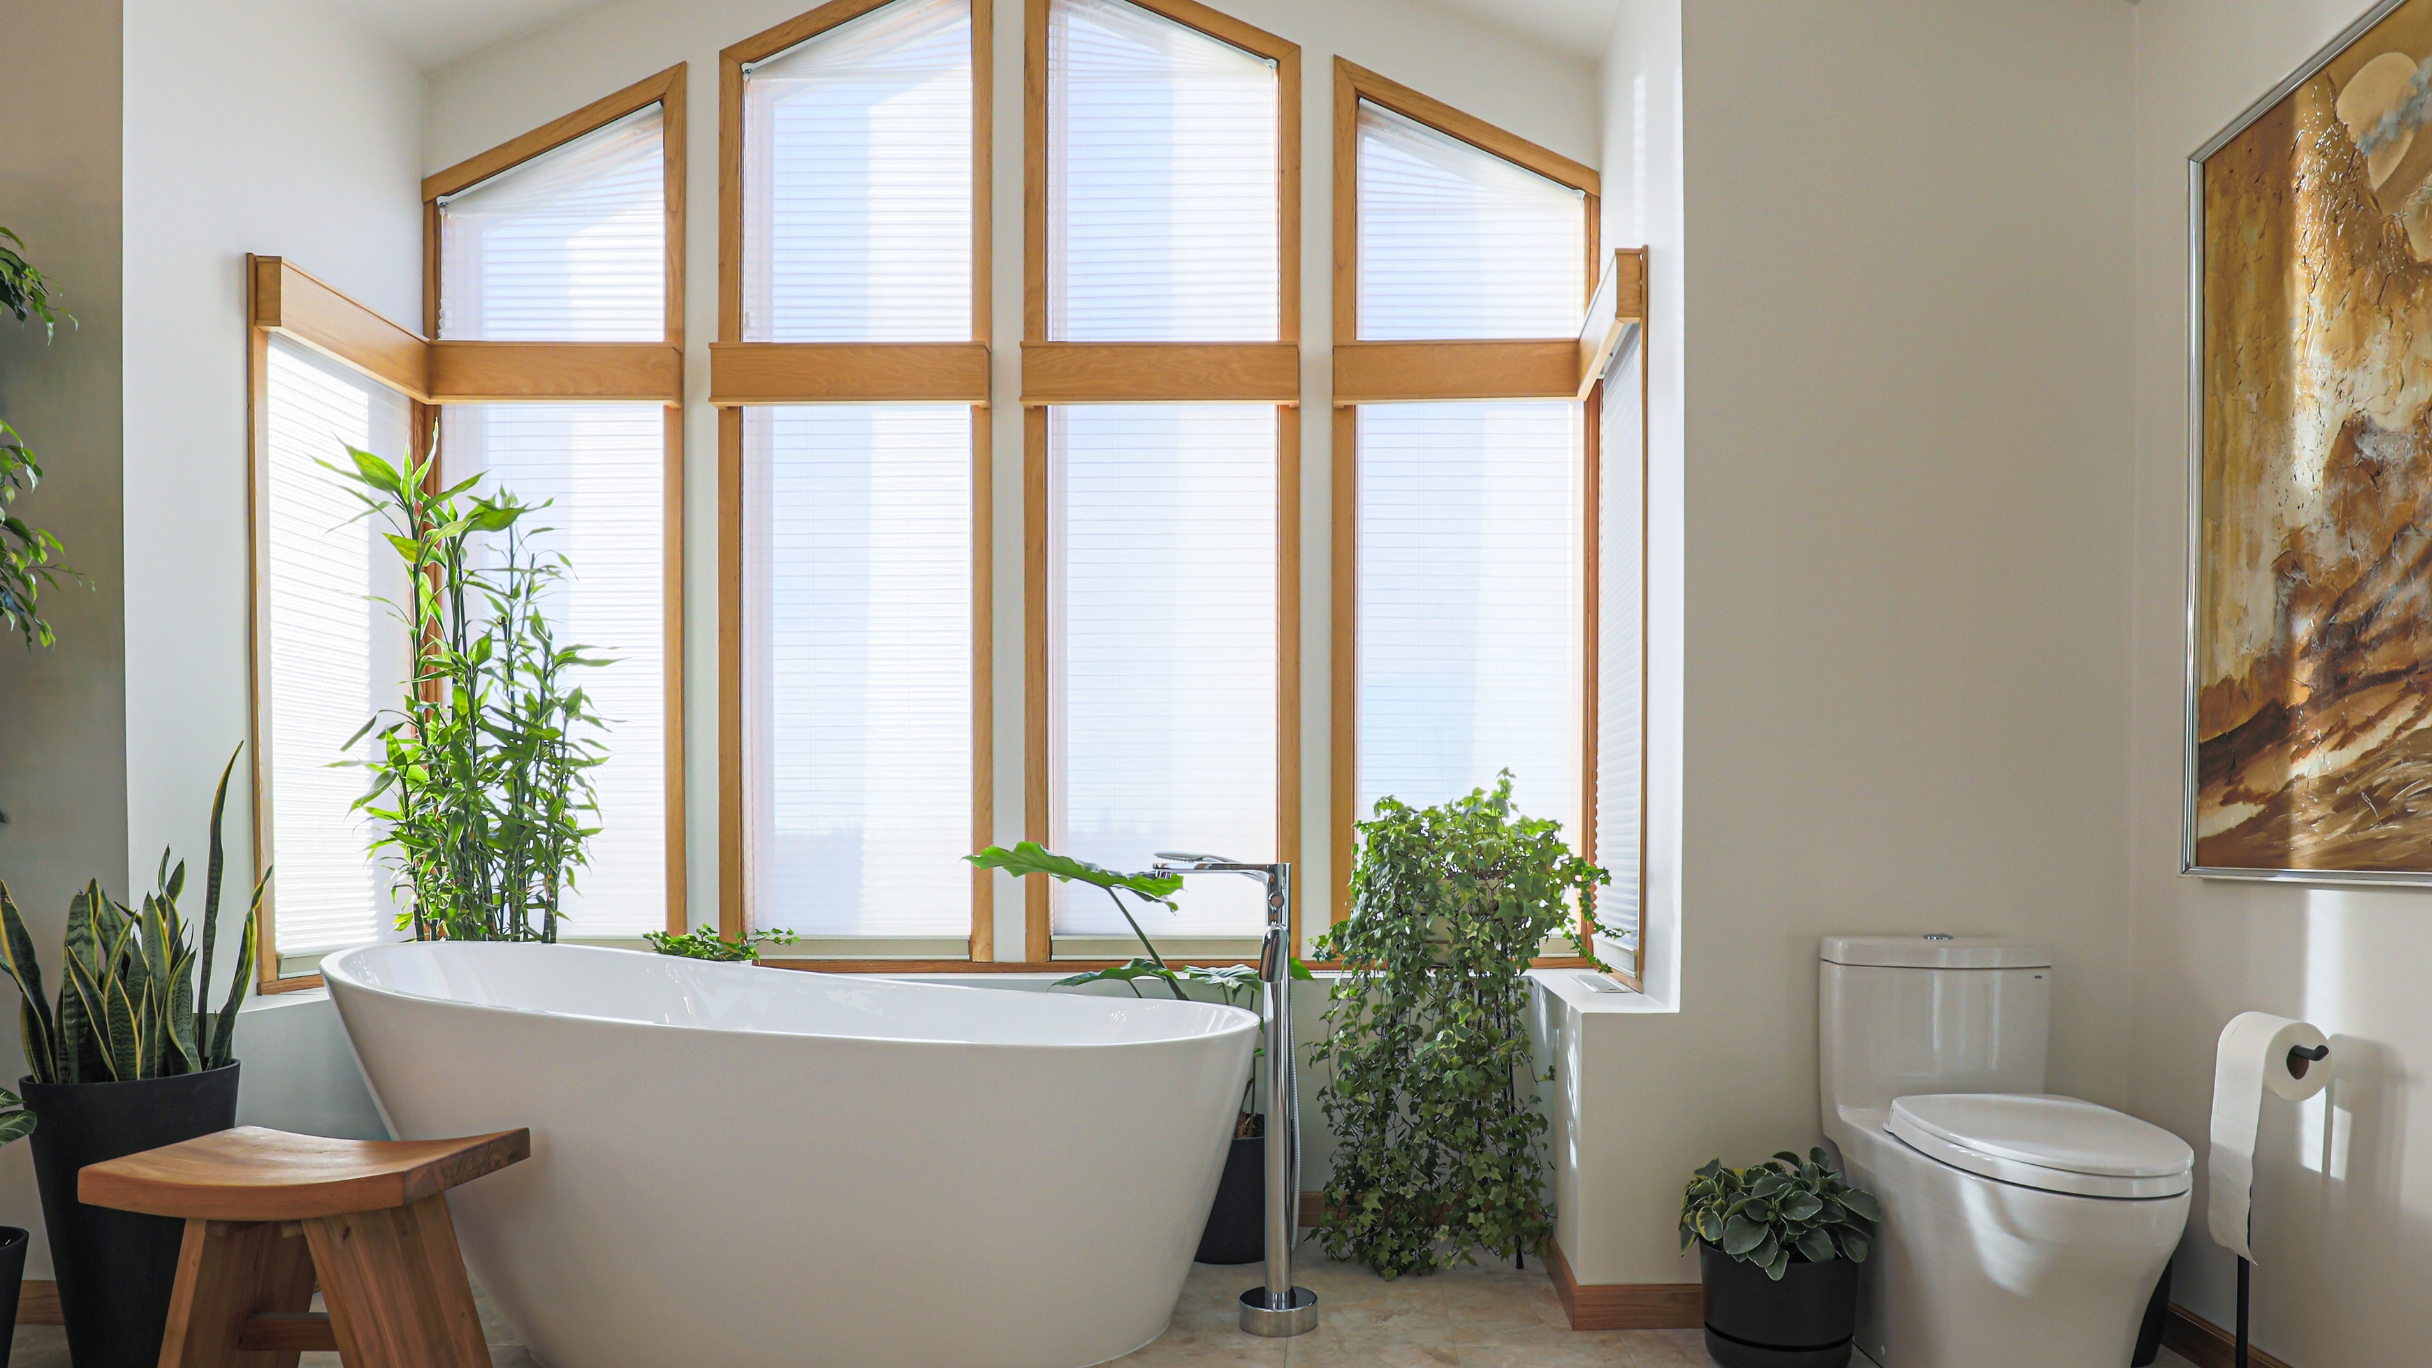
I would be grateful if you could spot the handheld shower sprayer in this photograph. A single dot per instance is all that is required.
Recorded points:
(1275, 1308)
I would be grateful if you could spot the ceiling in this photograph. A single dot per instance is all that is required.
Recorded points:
(433, 33)
(1578, 27)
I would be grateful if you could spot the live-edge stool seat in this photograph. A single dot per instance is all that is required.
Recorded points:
(254, 1174)
(268, 1214)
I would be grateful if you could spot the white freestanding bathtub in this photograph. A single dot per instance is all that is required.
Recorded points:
(747, 1166)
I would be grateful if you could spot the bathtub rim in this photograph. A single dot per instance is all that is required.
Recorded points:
(335, 972)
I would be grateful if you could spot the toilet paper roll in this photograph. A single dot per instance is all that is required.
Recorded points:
(2253, 1059)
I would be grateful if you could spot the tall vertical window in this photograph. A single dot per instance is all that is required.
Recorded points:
(1468, 633)
(856, 479)
(329, 654)
(565, 240)
(1162, 708)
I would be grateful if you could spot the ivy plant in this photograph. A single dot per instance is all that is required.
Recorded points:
(1438, 1147)
(1783, 1210)
(705, 943)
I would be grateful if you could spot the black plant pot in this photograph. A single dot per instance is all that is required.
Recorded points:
(1237, 1222)
(12, 1280)
(116, 1268)
(1804, 1321)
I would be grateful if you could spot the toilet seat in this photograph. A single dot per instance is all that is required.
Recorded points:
(2054, 1144)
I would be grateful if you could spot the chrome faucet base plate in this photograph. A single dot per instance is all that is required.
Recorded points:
(1258, 1318)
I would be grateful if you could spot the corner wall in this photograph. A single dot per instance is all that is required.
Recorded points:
(2343, 1209)
(1905, 523)
(62, 717)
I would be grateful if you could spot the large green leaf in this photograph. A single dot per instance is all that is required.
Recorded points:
(1741, 1235)
(1029, 857)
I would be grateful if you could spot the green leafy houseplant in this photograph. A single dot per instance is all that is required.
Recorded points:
(26, 551)
(1783, 1209)
(129, 1006)
(1437, 1152)
(482, 781)
(706, 944)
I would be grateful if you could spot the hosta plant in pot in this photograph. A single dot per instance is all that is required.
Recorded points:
(130, 1058)
(1779, 1246)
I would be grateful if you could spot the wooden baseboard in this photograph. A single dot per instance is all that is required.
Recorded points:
(38, 1302)
(2207, 1345)
(1625, 1306)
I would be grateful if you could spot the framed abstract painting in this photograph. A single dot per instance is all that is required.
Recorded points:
(2309, 682)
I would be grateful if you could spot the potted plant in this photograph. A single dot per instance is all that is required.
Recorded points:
(1236, 1230)
(125, 1063)
(706, 944)
(481, 789)
(1437, 1151)
(25, 551)
(1779, 1247)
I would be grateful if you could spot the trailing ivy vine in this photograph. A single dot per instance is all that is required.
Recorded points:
(1438, 1151)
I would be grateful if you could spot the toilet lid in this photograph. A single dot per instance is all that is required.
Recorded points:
(2058, 1144)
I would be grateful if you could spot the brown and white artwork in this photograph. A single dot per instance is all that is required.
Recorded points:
(2313, 615)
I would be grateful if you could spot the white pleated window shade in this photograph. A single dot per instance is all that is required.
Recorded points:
(857, 182)
(857, 646)
(1161, 180)
(570, 246)
(1470, 615)
(1456, 242)
(1619, 643)
(1163, 640)
(333, 654)
(601, 471)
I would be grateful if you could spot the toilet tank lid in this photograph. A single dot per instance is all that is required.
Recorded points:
(1936, 952)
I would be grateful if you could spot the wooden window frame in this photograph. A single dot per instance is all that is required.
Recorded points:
(773, 373)
(574, 372)
(1412, 371)
(283, 299)
(1056, 373)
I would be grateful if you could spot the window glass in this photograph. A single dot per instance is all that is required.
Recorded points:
(1161, 180)
(857, 646)
(601, 471)
(1619, 651)
(857, 182)
(570, 246)
(1456, 242)
(334, 655)
(1163, 640)
(1470, 619)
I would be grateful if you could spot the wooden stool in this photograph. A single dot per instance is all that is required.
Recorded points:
(267, 1211)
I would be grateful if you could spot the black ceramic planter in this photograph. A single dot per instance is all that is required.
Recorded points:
(12, 1281)
(1237, 1222)
(1804, 1321)
(116, 1268)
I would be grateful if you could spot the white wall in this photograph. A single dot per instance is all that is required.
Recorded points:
(62, 781)
(2343, 1216)
(502, 91)
(265, 126)
(1906, 521)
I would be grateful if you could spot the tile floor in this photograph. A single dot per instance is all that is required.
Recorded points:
(1486, 1317)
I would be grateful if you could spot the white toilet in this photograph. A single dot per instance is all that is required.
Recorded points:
(2020, 1230)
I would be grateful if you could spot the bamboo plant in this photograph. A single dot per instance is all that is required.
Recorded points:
(130, 1006)
(482, 780)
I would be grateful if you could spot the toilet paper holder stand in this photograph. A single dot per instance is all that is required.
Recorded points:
(2300, 1058)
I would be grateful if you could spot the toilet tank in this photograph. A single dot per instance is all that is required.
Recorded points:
(1899, 1015)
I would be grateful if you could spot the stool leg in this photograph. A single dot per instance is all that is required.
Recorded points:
(227, 1271)
(396, 1289)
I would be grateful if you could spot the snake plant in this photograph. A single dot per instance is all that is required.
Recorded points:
(128, 1009)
